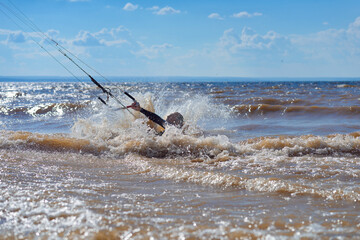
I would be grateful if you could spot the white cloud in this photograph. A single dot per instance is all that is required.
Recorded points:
(154, 8)
(154, 51)
(114, 37)
(332, 40)
(130, 7)
(241, 14)
(16, 37)
(248, 39)
(331, 52)
(113, 33)
(215, 16)
(12, 37)
(85, 38)
(354, 28)
(115, 42)
(23, 45)
(104, 37)
(165, 10)
(245, 14)
(52, 33)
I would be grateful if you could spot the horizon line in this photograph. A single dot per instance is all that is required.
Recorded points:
(177, 76)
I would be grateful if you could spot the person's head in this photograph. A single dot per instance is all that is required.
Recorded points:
(175, 119)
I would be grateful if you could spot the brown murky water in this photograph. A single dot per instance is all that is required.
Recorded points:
(244, 168)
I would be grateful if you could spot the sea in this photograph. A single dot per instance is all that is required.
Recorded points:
(268, 158)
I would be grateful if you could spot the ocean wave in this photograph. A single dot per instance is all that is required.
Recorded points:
(331, 145)
(191, 145)
(266, 164)
(275, 101)
(48, 142)
(263, 109)
(346, 86)
(53, 109)
(226, 180)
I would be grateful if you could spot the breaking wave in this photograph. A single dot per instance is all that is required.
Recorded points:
(264, 109)
(174, 143)
(52, 109)
(179, 157)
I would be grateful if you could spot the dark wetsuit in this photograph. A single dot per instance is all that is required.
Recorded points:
(153, 117)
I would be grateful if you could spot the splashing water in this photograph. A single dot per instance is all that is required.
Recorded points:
(243, 167)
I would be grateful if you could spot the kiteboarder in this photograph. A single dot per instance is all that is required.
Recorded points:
(175, 119)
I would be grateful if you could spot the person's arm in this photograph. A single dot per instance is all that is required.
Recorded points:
(152, 116)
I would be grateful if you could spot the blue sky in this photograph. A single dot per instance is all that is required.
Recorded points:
(257, 38)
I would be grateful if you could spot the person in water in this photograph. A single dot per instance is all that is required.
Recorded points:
(175, 119)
